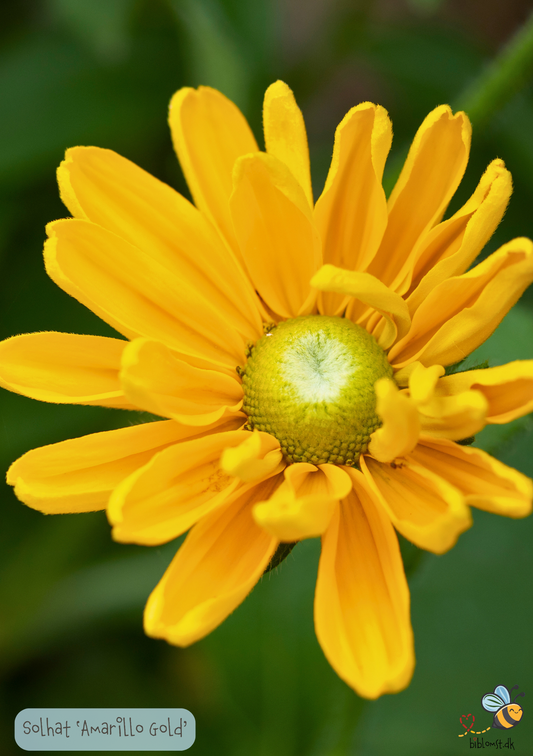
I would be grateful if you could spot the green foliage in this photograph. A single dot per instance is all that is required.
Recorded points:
(214, 53)
(466, 365)
(280, 555)
(101, 24)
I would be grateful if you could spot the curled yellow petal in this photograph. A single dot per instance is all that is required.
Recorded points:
(401, 426)
(257, 456)
(422, 382)
(290, 518)
(454, 417)
(403, 375)
(508, 389)
(285, 134)
(372, 292)
(303, 505)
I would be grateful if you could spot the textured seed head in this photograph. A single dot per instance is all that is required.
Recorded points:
(310, 383)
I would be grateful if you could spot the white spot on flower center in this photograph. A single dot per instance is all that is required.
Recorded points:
(318, 367)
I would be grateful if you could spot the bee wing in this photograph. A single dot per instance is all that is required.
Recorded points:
(492, 702)
(503, 693)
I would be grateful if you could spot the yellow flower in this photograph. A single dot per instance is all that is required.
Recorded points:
(261, 443)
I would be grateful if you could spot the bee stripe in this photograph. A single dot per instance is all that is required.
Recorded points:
(507, 716)
(505, 719)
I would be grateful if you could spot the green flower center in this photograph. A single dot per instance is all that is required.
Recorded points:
(310, 383)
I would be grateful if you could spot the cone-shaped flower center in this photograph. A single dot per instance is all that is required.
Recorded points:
(310, 383)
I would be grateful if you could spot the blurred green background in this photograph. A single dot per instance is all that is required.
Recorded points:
(102, 72)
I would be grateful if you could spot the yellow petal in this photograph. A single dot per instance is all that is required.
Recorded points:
(174, 490)
(157, 380)
(454, 417)
(290, 518)
(274, 226)
(258, 456)
(362, 599)
(453, 245)
(136, 294)
(64, 368)
(485, 482)
(209, 134)
(303, 505)
(403, 375)
(219, 563)
(422, 506)
(462, 312)
(508, 389)
(351, 213)
(431, 174)
(79, 475)
(370, 291)
(285, 134)
(401, 426)
(422, 382)
(105, 188)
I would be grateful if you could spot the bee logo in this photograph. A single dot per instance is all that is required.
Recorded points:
(507, 712)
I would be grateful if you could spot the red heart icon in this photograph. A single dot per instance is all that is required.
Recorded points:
(466, 717)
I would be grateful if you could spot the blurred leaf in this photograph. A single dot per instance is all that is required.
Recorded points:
(42, 557)
(54, 96)
(512, 127)
(501, 78)
(511, 443)
(255, 26)
(102, 24)
(216, 58)
(425, 7)
(61, 605)
(30, 122)
(512, 340)
(424, 66)
(10, 215)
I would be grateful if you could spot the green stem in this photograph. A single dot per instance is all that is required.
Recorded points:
(353, 710)
(338, 736)
(501, 78)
